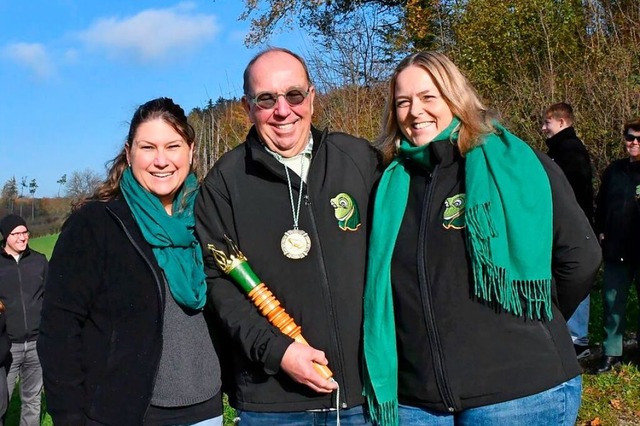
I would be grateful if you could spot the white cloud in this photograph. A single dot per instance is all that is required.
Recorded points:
(153, 34)
(31, 55)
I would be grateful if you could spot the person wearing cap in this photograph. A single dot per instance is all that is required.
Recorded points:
(22, 275)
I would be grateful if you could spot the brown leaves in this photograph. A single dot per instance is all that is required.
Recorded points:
(616, 403)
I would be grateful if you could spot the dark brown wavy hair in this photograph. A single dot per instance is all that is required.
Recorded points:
(163, 108)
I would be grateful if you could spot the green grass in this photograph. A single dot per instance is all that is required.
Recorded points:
(44, 244)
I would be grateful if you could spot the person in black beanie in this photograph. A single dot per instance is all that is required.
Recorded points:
(22, 275)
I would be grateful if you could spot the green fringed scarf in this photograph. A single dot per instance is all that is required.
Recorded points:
(171, 238)
(509, 230)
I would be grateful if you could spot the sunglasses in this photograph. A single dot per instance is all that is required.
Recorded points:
(630, 138)
(267, 100)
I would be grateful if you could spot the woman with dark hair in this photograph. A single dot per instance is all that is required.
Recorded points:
(478, 253)
(123, 338)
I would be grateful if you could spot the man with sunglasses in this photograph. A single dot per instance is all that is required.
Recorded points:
(295, 200)
(22, 275)
(617, 223)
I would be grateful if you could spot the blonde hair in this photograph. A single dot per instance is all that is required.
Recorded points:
(456, 91)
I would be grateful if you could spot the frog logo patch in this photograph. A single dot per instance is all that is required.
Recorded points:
(638, 192)
(454, 212)
(346, 211)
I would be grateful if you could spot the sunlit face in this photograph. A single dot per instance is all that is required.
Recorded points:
(551, 126)
(633, 147)
(284, 128)
(17, 240)
(422, 112)
(160, 160)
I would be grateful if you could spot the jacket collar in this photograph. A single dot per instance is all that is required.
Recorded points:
(8, 256)
(256, 152)
(556, 140)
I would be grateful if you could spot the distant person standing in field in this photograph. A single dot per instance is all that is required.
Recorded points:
(22, 275)
(570, 153)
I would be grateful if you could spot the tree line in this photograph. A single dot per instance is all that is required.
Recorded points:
(521, 55)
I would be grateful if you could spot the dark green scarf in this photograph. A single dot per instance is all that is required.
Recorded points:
(509, 230)
(171, 238)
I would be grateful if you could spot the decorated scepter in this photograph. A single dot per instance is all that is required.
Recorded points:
(237, 267)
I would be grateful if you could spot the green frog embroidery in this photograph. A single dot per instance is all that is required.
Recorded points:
(346, 211)
(454, 212)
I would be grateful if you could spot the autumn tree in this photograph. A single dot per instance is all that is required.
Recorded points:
(220, 126)
(521, 55)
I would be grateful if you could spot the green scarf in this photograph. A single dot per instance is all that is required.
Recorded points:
(509, 230)
(171, 238)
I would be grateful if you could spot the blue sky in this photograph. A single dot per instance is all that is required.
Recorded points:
(72, 72)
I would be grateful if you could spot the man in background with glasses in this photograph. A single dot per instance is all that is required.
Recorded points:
(295, 200)
(22, 275)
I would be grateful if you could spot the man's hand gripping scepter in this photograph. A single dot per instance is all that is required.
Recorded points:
(237, 267)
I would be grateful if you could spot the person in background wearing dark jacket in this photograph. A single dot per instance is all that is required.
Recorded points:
(124, 339)
(618, 227)
(295, 201)
(5, 350)
(570, 153)
(23, 272)
(478, 254)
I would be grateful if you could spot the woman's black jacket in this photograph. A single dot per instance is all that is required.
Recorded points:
(101, 331)
(456, 352)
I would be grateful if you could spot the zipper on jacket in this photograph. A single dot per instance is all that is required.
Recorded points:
(157, 280)
(325, 281)
(429, 316)
(24, 306)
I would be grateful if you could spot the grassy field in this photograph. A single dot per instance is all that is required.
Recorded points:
(44, 244)
(609, 399)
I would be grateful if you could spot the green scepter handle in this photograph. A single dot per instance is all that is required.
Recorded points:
(237, 267)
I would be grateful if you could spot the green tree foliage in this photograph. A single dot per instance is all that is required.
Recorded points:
(62, 182)
(521, 55)
(10, 193)
(33, 186)
(314, 15)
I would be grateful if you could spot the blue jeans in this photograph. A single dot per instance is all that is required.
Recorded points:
(556, 406)
(349, 417)
(579, 324)
(618, 277)
(25, 365)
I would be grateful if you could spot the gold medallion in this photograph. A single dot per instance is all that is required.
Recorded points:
(295, 244)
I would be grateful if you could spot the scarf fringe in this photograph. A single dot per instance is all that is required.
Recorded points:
(382, 414)
(493, 283)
